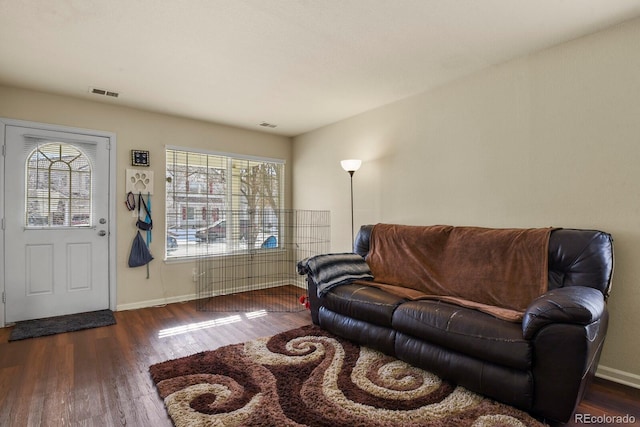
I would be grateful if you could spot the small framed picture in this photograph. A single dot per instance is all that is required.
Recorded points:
(139, 158)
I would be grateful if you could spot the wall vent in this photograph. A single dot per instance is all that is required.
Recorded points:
(267, 125)
(104, 92)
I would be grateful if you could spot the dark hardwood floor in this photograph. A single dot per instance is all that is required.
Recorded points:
(606, 398)
(99, 377)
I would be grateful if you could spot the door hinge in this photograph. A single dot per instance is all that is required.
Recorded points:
(4, 150)
(4, 297)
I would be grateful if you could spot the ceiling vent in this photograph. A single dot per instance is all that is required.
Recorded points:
(268, 125)
(104, 92)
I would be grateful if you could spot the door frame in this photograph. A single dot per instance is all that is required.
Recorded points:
(111, 183)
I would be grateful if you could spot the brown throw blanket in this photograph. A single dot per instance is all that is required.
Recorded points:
(502, 268)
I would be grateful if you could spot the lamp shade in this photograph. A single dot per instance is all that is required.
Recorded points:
(351, 165)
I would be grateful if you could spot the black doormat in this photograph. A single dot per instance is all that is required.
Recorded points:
(59, 324)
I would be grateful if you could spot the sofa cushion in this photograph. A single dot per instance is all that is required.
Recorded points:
(508, 385)
(380, 338)
(363, 302)
(466, 331)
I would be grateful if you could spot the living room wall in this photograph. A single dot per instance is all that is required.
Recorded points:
(137, 129)
(550, 139)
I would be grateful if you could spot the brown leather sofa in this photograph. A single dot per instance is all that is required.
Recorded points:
(541, 364)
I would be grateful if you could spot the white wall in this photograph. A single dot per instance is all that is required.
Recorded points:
(551, 139)
(136, 129)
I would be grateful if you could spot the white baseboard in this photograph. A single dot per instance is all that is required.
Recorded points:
(618, 376)
(190, 297)
(155, 302)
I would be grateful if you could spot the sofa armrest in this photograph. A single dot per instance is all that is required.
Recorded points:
(573, 304)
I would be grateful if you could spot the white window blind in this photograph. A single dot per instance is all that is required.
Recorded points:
(220, 203)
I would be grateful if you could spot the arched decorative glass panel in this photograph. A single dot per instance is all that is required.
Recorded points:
(58, 185)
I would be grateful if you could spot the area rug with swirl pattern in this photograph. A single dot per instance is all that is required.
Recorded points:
(309, 377)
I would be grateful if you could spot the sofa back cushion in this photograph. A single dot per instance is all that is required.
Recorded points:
(581, 258)
(576, 257)
(498, 267)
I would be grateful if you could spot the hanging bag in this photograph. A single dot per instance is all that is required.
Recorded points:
(142, 224)
(140, 254)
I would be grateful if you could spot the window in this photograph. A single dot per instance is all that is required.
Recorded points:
(58, 181)
(219, 204)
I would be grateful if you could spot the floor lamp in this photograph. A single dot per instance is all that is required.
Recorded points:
(351, 166)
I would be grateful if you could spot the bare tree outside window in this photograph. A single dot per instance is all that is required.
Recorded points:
(260, 186)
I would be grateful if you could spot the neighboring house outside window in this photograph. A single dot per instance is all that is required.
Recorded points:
(221, 204)
(58, 187)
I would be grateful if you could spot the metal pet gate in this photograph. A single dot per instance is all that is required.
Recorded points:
(256, 268)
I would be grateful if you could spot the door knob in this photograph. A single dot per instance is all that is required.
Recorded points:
(102, 233)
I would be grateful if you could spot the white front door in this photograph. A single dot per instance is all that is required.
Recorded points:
(56, 203)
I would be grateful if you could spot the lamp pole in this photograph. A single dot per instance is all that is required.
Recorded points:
(352, 228)
(351, 166)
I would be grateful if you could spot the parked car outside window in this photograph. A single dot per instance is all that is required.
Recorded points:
(212, 233)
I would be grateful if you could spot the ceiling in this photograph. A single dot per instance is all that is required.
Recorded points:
(297, 64)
